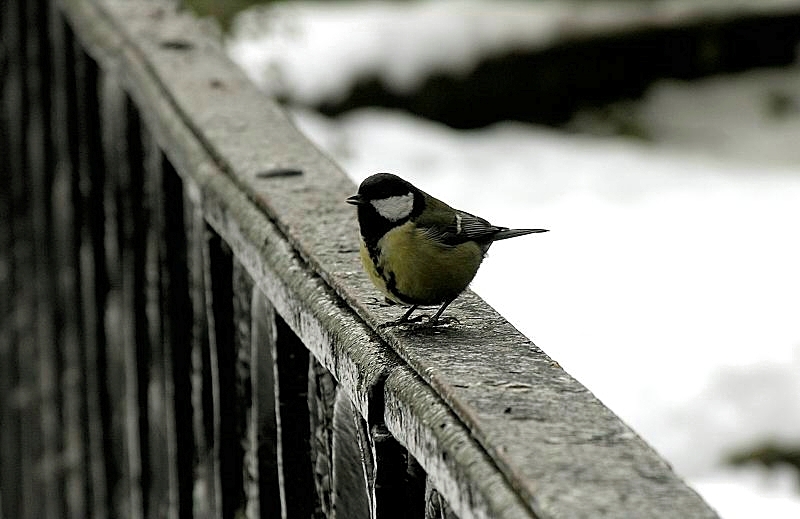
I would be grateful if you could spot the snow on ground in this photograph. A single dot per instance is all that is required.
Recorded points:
(313, 51)
(753, 119)
(752, 493)
(669, 281)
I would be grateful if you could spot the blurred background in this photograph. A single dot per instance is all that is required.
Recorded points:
(658, 140)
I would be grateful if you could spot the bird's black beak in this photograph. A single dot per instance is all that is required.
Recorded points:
(355, 200)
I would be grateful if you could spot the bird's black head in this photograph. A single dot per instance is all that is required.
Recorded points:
(385, 201)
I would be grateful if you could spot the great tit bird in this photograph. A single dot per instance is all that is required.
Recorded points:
(416, 249)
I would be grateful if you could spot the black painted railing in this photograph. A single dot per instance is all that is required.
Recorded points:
(184, 334)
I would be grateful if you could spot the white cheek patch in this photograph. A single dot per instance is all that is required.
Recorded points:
(394, 208)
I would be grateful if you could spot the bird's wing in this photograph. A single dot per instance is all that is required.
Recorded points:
(461, 228)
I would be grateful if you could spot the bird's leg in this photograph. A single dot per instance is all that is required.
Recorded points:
(433, 321)
(408, 313)
(406, 318)
(439, 312)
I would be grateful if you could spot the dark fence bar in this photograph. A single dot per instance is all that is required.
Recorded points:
(181, 338)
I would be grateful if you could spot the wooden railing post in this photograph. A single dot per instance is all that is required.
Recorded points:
(264, 427)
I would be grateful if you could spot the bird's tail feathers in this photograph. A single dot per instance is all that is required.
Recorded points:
(513, 233)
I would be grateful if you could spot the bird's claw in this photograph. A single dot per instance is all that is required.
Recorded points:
(417, 323)
(381, 303)
(401, 322)
(441, 322)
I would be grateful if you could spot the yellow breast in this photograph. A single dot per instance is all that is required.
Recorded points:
(413, 269)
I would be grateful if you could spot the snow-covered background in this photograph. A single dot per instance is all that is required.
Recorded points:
(670, 281)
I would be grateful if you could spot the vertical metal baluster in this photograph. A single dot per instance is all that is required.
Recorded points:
(118, 325)
(162, 497)
(94, 284)
(10, 164)
(203, 488)
(40, 157)
(238, 394)
(265, 422)
(294, 452)
(75, 450)
(353, 466)
(23, 397)
(218, 299)
(322, 390)
(177, 311)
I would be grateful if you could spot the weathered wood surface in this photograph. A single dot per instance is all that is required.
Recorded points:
(268, 270)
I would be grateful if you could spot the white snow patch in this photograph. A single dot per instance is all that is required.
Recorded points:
(311, 52)
(752, 492)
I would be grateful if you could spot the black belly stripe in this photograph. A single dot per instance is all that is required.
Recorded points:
(391, 283)
(387, 276)
(374, 253)
(374, 257)
(391, 287)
